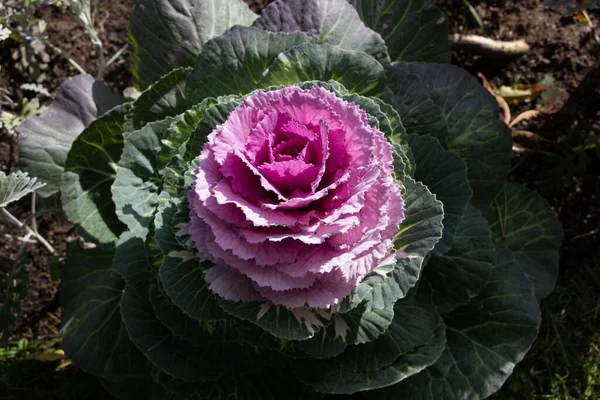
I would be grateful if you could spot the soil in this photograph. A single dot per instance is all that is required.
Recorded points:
(565, 169)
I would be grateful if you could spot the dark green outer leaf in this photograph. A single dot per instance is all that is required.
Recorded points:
(167, 34)
(524, 222)
(44, 142)
(456, 277)
(414, 325)
(331, 380)
(446, 102)
(357, 71)
(445, 175)
(165, 98)
(357, 326)
(94, 336)
(178, 357)
(329, 21)
(234, 62)
(90, 171)
(413, 30)
(270, 385)
(133, 262)
(297, 324)
(181, 273)
(485, 339)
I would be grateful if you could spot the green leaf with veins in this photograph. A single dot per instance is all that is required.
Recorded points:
(181, 274)
(272, 384)
(333, 22)
(459, 275)
(357, 326)
(445, 175)
(167, 34)
(524, 222)
(413, 30)
(44, 141)
(132, 260)
(165, 98)
(150, 155)
(358, 72)
(351, 374)
(90, 171)
(93, 333)
(233, 64)
(176, 356)
(485, 339)
(446, 102)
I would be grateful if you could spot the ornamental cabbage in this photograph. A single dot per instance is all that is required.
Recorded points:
(301, 203)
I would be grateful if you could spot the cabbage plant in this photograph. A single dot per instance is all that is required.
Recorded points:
(304, 202)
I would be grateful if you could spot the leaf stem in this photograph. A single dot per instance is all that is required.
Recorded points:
(12, 219)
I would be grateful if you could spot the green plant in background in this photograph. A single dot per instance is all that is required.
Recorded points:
(12, 275)
(305, 202)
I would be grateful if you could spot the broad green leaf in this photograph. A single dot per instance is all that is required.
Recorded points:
(459, 275)
(524, 222)
(446, 102)
(44, 142)
(90, 171)
(330, 21)
(357, 326)
(165, 98)
(413, 30)
(167, 34)
(485, 339)
(414, 326)
(94, 336)
(445, 175)
(234, 62)
(357, 71)
(269, 385)
(328, 377)
(132, 261)
(16, 185)
(206, 333)
(152, 158)
(294, 324)
(181, 273)
(136, 187)
(198, 333)
(175, 355)
(418, 235)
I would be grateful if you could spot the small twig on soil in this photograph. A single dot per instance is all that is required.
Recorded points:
(116, 55)
(524, 116)
(13, 220)
(590, 233)
(533, 137)
(65, 56)
(501, 102)
(591, 24)
(488, 47)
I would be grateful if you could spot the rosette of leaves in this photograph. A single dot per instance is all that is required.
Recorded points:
(447, 315)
